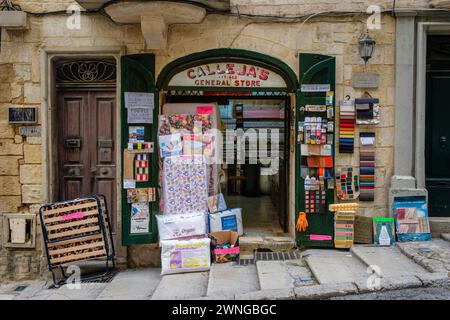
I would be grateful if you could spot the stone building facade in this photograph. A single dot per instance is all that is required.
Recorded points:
(281, 29)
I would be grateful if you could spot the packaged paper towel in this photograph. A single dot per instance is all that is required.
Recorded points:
(174, 226)
(178, 256)
(230, 219)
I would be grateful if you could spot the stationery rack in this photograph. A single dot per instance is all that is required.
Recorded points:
(77, 230)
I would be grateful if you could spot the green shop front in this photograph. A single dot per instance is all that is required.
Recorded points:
(264, 168)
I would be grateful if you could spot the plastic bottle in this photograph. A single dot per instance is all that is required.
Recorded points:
(384, 239)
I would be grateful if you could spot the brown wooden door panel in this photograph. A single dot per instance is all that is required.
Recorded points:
(86, 145)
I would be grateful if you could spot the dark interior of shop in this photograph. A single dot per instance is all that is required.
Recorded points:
(260, 188)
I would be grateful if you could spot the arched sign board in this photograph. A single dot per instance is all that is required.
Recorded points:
(228, 75)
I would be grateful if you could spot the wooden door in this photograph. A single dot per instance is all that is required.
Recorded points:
(437, 147)
(86, 138)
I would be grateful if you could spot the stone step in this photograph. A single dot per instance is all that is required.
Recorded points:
(275, 275)
(335, 266)
(390, 260)
(132, 285)
(249, 244)
(182, 286)
(432, 255)
(228, 279)
(445, 236)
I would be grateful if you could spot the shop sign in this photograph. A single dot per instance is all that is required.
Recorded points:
(228, 74)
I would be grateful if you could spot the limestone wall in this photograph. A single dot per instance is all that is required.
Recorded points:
(20, 158)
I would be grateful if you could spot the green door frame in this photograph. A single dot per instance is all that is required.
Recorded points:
(232, 55)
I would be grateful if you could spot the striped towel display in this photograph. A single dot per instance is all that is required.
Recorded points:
(346, 126)
(367, 166)
(141, 167)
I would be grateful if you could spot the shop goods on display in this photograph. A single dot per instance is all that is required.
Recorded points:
(141, 167)
(347, 184)
(216, 203)
(176, 226)
(230, 219)
(367, 111)
(180, 256)
(75, 231)
(411, 218)
(170, 145)
(347, 126)
(367, 166)
(315, 195)
(383, 231)
(141, 195)
(344, 229)
(225, 246)
(185, 184)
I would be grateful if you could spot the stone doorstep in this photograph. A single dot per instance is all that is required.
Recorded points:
(249, 244)
(445, 236)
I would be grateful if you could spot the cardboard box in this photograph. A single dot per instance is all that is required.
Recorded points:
(363, 230)
(221, 255)
(230, 219)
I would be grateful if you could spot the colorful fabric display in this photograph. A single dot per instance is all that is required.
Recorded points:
(141, 167)
(185, 184)
(367, 166)
(367, 111)
(347, 184)
(315, 195)
(346, 126)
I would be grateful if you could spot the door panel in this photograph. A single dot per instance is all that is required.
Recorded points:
(314, 69)
(86, 140)
(437, 149)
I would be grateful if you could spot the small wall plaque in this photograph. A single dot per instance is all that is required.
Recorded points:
(22, 115)
(30, 131)
(316, 87)
(366, 80)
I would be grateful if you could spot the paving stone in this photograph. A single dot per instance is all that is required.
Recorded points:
(87, 291)
(325, 290)
(132, 285)
(435, 279)
(273, 275)
(182, 286)
(337, 267)
(445, 236)
(433, 255)
(389, 260)
(228, 279)
(7, 296)
(275, 294)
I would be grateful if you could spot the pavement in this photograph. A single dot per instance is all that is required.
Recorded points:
(416, 270)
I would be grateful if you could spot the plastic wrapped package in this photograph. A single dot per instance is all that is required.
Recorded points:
(230, 219)
(180, 256)
(175, 226)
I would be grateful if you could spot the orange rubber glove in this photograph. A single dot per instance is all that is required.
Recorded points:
(302, 223)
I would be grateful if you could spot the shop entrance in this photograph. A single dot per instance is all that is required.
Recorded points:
(437, 150)
(248, 180)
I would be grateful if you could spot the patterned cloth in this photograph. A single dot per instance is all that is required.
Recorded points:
(185, 184)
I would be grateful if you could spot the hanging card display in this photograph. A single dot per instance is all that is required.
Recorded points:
(141, 195)
(136, 134)
(347, 126)
(347, 184)
(140, 218)
(141, 167)
(367, 166)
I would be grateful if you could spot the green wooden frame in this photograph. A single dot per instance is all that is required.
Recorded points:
(232, 55)
(314, 69)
